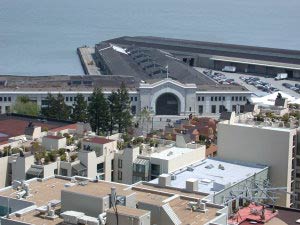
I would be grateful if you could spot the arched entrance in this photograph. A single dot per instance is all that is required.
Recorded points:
(167, 104)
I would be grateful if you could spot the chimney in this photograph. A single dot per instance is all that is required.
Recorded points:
(164, 180)
(191, 185)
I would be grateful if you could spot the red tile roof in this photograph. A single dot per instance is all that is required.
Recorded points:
(70, 126)
(98, 140)
(54, 137)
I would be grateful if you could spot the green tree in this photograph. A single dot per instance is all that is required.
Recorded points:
(24, 106)
(80, 113)
(56, 107)
(114, 106)
(63, 110)
(125, 120)
(145, 117)
(99, 113)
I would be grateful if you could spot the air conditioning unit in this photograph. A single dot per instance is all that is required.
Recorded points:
(190, 168)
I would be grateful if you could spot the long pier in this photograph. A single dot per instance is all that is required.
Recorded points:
(87, 61)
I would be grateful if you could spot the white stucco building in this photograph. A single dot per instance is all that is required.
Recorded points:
(160, 97)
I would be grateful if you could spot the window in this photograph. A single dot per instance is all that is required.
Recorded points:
(190, 109)
(131, 99)
(199, 98)
(223, 98)
(202, 98)
(200, 109)
(220, 98)
(120, 163)
(221, 108)
(232, 98)
(213, 109)
(236, 98)
(133, 109)
(119, 175)
(1, 99)
(9, 99)
(240, 98)
(216, 98)
(242, 108)
(212, 99)
(244, 98)
(67, 99)
(64, 172)
(89, 99)
(5, 99)
(297, 185)
(71, 99)
(75, 98)
(7, 109)
(233, 109)
(135, 99)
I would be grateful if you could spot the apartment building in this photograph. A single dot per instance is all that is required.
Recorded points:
(269, 143)
(133, 165)
(77, 200)
(218, 179)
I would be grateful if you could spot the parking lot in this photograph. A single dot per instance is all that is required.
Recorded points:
(259, 85)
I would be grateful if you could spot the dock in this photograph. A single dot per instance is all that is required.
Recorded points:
(87, 60)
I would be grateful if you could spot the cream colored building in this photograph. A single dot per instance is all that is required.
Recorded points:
(100, 158)
(50, 142)
(132, 165)
(244, 140)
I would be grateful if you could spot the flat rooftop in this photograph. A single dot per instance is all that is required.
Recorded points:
(171, 153)
(45, 190)
(214, 175)
(11, 126)
(211, 48)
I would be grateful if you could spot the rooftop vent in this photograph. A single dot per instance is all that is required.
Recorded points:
(190, 168)
(210, 166)
(221, 167)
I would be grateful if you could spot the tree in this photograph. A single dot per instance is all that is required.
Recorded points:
(125, 117)
(80, 113)
(99, 113)
(145, 116)
(56, 107)
(24, 106)
(114, 106)
(63, 111)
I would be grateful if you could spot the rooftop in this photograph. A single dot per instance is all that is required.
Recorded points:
(11, 126)
(214, 175)
(46, 190)
(54, 137)
(98, 140)
(171, 153)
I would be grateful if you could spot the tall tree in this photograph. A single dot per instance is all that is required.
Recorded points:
(99, 113)
(124, 117)
(114, 106)
(80, 113)
(49, 111)
(63, 110)
(56, 107)
(24, 106)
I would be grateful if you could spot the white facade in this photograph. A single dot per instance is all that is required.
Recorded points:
(189, 98)
(274, 147)
(54, 142)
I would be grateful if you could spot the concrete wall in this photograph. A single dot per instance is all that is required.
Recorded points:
(90, 205)
(50, 143)
(89, 159)
(127, 219)
(4, 172)
(127, 156)
(270, 147)
(21, 166)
